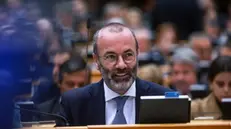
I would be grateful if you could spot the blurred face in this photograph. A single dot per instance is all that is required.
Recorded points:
(221, 85)
(117, 59)
(73, 80)
(78, 7)
(228, 25)
(183, 76)
(144, 44)
(203, 48)
(225, 51)
(167, 38)
(212, 31)
(134, 19)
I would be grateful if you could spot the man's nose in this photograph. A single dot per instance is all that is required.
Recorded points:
(120, 63)
(76, 86)
(180, 76)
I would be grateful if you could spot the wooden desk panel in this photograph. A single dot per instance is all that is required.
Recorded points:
(191, 125)
(80, 127)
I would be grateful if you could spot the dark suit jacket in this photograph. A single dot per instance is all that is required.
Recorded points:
(86, 106)
(50, 106)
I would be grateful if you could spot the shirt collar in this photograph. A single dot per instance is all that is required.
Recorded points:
(110, 94)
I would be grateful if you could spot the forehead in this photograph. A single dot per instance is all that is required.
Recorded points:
(182, 66)
(115, 40)
(223, 76)
(201, 40)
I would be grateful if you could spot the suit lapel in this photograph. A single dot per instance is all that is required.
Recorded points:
(96, 105)
(141, 90)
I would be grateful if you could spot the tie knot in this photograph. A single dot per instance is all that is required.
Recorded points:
(120, 101)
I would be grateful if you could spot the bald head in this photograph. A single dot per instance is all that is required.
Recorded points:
(113, 31)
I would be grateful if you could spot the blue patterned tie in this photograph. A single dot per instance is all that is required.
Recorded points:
(119, 117)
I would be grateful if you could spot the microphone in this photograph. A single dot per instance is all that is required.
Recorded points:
(88, 40)
(89, 23)
(45, 113)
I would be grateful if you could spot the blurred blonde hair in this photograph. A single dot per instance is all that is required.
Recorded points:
(163, 28)
(150, 72)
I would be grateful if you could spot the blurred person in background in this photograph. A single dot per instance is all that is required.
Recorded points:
(146, 56)
(16, 10)
(80, 16)
(80, 9)
(165, 40)
(184, 70)
(150, 73)
(64, 21)
(144, 39)
(73, 74)
(226, 35)
(201, 44)
(113, 12)
(212, 29)
(219, 78)
(225, 50)
(147, 9)
(46, 91)
(49, 42)
(134, 18)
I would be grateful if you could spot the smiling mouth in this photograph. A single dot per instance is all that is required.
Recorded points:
(121, 76)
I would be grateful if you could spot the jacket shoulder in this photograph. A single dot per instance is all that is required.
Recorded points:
(154, 88)
(79, 93)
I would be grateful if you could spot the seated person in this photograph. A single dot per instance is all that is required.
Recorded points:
(73, 74)
(116, 98)
(46, 91)
(184, 70)
(150, 73)
(220, 82)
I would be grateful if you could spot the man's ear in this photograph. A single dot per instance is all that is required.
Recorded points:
(95, 58)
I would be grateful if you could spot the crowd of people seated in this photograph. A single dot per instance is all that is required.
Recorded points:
(183, 46)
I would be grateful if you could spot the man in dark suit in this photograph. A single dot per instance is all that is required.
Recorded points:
(73, 74)
(116, 98)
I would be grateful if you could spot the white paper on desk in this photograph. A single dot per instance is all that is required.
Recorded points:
(163, 97)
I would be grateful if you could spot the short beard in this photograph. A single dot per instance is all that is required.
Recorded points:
(120, 87)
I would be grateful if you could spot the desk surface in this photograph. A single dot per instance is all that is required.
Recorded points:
(197, 124)
(191, 125)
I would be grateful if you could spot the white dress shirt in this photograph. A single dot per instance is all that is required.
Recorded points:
(129, 106)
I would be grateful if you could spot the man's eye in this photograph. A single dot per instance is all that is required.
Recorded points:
(111, 57)
(129, 54)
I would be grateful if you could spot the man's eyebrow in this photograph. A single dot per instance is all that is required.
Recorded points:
(109, 52)
(129, 50)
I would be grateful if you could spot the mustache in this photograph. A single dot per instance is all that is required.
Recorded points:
(122, 71)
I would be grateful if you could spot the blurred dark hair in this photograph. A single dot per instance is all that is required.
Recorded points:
(74, 64)
(227, 45)
(219, 65)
